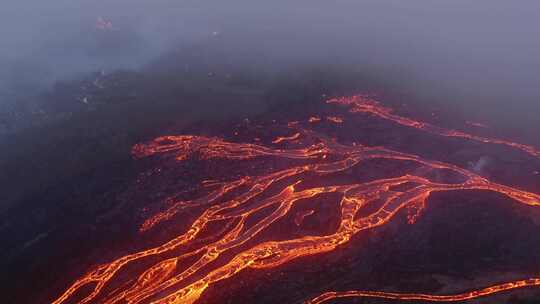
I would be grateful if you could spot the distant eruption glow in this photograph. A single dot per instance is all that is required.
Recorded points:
(234, 202)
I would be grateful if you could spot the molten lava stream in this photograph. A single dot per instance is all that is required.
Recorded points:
(365, 104)
(427, 297)
(269, 198)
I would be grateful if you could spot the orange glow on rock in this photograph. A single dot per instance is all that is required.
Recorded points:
(334, 119)
(233, 202)
(314, 119)
(365, 104)
(286, 138)
(426, 297)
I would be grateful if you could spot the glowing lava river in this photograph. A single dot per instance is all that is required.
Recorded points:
(229, 216)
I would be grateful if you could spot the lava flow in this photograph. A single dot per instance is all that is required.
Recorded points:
(190, 263)
(366, 104)
(426, 297)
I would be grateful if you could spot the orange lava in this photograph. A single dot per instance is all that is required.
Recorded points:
(334, 119)
(314, 119)
(426, 297)
(366, 104)
(286, 138)
(234, 202)
(299, 218)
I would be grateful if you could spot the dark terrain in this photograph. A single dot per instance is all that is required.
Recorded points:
(73, 195)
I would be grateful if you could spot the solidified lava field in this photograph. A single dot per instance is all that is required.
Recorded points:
(346, 201)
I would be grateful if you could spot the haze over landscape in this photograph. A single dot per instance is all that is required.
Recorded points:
(461, 52)
(182, 151)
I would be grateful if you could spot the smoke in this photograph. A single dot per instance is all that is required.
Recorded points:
(480, 56)
(480, 165)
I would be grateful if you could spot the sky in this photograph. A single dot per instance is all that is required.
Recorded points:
(483, 52)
